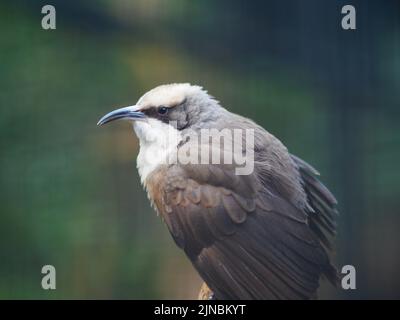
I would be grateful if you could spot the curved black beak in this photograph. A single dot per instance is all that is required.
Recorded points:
(128, 113)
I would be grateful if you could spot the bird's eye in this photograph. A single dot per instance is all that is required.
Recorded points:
(162, 110)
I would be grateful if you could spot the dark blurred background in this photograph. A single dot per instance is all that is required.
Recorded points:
(70, 195)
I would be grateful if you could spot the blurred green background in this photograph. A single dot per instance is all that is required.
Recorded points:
(70, 195)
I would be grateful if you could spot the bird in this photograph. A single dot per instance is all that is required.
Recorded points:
(265, 234)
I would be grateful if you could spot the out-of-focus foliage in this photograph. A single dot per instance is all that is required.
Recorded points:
(70, 194)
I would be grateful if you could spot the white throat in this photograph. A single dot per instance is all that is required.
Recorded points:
(158, 142)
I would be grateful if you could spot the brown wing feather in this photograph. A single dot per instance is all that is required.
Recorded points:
(245, 244)
(322, 212)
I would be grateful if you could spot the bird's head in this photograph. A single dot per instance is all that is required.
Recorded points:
(178, 106)
(183, 123)
(166, 116)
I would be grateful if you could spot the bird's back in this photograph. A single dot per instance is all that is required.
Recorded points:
(259, 236)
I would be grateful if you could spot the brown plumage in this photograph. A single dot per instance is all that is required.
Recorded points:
(245, 245)
(259, 236)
